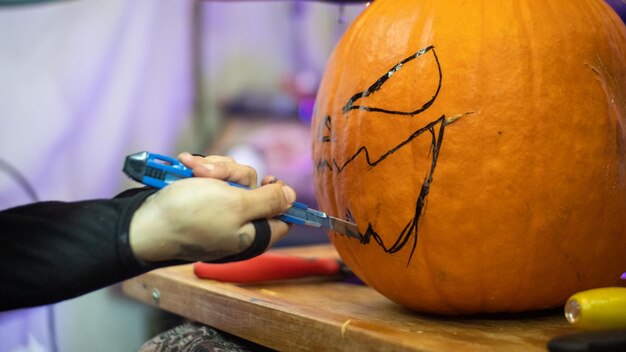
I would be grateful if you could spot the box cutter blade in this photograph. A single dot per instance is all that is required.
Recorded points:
(158, 171)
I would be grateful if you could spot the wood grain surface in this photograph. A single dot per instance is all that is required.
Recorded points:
(326, 314)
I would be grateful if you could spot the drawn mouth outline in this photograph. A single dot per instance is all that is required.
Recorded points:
(411, 228)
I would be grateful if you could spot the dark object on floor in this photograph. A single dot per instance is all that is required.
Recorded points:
(195, 337)
(590, 341)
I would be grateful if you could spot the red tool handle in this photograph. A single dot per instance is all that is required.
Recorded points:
(268, 267)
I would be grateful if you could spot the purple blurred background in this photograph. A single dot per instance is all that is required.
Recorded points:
(619, 6)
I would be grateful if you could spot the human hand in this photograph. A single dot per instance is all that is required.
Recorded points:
(220, 167)
(204, 218)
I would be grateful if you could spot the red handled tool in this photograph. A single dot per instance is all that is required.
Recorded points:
(270, 267)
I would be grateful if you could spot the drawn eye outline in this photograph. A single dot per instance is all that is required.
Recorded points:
(325, 129)
(325, 134)
(380, 82)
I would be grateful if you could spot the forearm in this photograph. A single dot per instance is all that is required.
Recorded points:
(53, 251)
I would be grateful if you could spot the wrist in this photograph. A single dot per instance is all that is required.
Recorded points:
(148, 234)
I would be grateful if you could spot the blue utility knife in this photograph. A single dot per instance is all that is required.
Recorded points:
(158, 171)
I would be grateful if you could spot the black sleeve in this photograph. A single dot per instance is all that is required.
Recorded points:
(51, 251)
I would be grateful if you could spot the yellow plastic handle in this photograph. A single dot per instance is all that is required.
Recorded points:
(600, 308)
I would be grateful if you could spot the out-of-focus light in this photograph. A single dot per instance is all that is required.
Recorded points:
(620, 7)
(305, 110)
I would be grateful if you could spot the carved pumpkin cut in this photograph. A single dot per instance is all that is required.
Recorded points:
(480, 148)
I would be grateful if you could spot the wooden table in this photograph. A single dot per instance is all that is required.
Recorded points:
(329, 315)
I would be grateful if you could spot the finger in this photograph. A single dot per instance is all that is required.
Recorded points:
(189, 160)
(261, 239)
(220, 167)
(219, 159)
(269, 179)
(228, 171)
(195, 160)
(267, 201)
(279, 229)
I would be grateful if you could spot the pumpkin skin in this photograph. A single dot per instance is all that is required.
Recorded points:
(480, 148)
(619, 6)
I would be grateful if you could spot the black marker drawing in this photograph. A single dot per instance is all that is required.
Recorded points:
(433, 128)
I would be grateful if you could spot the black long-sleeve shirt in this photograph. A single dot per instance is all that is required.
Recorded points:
(52, 251)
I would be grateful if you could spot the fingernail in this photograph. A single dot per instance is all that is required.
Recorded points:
(273, 180)
(290, 194)
(184, 155)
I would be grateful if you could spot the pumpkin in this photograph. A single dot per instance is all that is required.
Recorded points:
(480, 147)
(619, 6)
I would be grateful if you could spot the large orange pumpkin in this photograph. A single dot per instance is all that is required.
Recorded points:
(480, 146)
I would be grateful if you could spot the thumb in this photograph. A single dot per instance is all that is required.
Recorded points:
(268, 201)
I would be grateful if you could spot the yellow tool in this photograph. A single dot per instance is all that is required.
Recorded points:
(600, 308)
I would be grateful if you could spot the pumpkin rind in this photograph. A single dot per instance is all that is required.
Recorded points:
(497, 145)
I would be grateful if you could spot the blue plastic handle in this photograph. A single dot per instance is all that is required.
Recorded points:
(161, 170)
